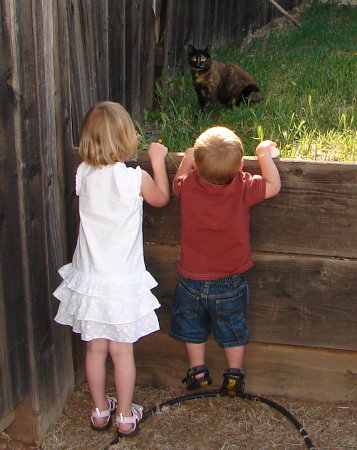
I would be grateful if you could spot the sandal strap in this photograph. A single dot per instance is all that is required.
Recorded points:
(137, 414)
(234, 373)
(112, 404)
(112, 401)
(195, 371)
(123, 419)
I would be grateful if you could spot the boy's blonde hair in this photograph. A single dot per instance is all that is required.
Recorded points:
(218, 154)
(108, 135)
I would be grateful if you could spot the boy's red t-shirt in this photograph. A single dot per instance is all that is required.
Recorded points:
(215, 225)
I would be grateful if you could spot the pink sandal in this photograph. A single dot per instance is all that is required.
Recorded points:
(96, 414)
(137, 415)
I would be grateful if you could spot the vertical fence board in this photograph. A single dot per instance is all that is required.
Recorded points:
(117, 31)
(147, 63)
(133, 36)
(89, 57)
(15, 364)
(34, 253)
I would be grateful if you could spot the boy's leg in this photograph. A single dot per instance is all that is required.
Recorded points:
(124, 375)
(196, 354)
(96, 356)
(190, 323)
(197, 375)
(234, 357)
(233, 377)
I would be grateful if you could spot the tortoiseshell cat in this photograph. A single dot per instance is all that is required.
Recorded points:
(218, 81)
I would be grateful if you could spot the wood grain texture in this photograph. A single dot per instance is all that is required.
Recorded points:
(13, 352)
(87, 24)
(293, 300)
(292, 371)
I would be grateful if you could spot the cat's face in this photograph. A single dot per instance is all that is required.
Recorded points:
(200, 59)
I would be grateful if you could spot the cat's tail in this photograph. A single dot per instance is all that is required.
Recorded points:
(251, 93)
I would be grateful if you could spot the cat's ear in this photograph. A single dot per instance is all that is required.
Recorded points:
(208, 49)
(191, 48)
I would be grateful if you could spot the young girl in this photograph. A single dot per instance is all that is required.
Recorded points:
(106, 291)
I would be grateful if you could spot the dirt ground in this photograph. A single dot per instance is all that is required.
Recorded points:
(209, 423)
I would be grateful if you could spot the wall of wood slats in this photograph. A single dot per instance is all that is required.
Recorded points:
(303, 288)
(216, 22)
(37, 354)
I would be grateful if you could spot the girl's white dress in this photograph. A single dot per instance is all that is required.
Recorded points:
(106, 290)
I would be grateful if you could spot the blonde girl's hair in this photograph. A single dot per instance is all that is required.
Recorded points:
(108, 135)
(218, 154)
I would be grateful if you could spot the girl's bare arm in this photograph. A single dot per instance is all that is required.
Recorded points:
(156, 190)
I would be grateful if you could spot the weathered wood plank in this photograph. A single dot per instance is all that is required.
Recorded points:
(37, 114)
(64, 137)
(33, 247)
(147, 64)
(294, 300)
(133, 36)
(314, 214)
(71, 367)
(117, 43)
(291, 371)
(14, 356)
(60, 81)
(88, 36)
(7, 400)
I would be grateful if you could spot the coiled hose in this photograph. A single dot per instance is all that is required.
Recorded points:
(281, 409)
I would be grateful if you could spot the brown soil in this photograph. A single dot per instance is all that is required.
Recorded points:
(211, 423)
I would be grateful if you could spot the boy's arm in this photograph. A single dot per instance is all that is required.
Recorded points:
(186, 165)
(156, 191)
(268, 168)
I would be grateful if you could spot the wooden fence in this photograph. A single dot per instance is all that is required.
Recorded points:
(58, 58)
(215, 22)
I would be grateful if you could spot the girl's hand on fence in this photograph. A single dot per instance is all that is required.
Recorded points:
(157, 152)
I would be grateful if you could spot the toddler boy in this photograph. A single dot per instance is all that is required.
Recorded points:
(215, 197)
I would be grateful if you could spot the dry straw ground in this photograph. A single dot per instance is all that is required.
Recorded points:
(212, 423)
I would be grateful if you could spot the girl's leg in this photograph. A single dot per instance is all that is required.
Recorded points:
(96, 357)
(124, 374)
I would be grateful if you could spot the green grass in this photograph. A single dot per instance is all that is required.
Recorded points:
(307, 75)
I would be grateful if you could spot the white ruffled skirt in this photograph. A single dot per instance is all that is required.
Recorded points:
(106, 308)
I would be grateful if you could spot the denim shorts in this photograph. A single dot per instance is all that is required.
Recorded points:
(220, 304)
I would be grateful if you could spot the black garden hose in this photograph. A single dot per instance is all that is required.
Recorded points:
(207, 394)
